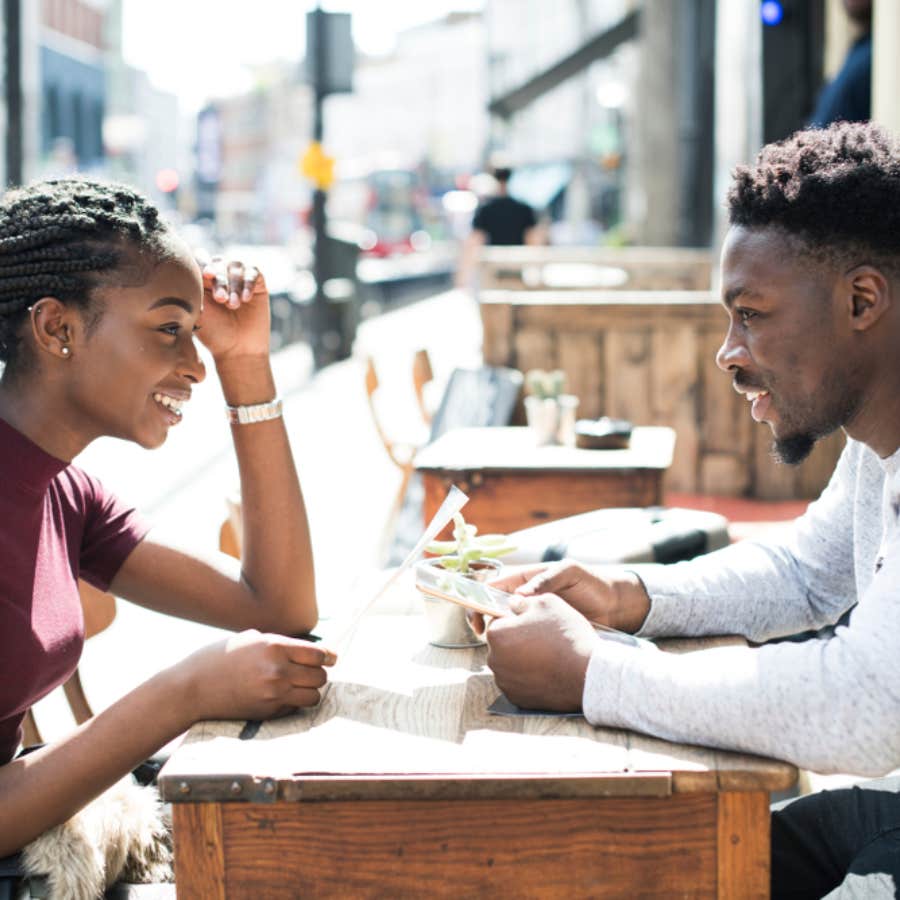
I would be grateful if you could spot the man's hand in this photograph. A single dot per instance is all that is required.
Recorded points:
(540, 655)
(606, 595)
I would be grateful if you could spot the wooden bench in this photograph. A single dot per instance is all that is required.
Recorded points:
(579, 268)
(649, 356)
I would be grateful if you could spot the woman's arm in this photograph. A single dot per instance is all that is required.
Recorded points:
(274, 588)
(246, 676)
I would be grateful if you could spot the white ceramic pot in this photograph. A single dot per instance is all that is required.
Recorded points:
(542, 414)
(567, 407)
(446, 622)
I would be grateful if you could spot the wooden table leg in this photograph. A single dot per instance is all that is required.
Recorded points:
(199, 851)
(743, 844)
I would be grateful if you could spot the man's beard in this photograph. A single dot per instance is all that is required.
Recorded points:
(794, 448)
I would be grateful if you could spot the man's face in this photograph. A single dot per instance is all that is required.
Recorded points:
(788, 347)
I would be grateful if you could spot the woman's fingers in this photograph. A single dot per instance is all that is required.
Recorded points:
(251, 273)
(307, 677)
(230, 283)
(306, 654)
(235, 283)
(302, 696)
(215, 276)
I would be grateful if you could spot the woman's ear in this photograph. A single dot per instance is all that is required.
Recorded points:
(52, 326)
(869, 295)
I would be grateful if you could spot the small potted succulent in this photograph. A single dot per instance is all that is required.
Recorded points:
(474, 557)
(549, 410)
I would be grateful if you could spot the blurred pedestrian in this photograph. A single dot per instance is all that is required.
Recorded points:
(848, 97)
(500, 221)
(101, 304)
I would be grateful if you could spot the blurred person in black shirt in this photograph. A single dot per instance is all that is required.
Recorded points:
(500, 221)
(848, 97)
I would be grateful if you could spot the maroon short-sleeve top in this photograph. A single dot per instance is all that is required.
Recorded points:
(57, 524)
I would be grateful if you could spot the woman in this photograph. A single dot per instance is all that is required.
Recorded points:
(99, 302)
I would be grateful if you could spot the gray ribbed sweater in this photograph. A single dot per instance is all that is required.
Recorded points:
(831, 705)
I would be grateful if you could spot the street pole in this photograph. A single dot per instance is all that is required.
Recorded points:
(12, 39)
(320, 263)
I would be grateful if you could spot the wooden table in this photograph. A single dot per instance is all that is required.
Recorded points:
(401, 784)
(512, 483)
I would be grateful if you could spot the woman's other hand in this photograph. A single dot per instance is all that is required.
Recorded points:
(254, 676)
(236, 320)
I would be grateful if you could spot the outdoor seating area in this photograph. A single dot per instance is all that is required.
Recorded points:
(693, 476)
(450, 450)
(406, 762)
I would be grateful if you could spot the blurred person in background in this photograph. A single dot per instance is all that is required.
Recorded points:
(500, 221)
(848, 98)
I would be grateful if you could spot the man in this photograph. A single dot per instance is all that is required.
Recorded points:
(501, 221)
(811, 286)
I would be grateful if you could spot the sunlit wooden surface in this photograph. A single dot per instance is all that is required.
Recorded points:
(402, 784)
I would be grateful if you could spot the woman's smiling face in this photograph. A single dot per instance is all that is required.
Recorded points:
(132, 369)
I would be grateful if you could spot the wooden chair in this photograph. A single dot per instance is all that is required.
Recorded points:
(231, 531)
(99, 612)
(422, 376)
(401, 451)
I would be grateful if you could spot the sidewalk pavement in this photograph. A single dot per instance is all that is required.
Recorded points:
(349, 483)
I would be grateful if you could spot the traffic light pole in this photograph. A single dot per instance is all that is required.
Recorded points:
(12, 41)
(321, 325)
(318, 206)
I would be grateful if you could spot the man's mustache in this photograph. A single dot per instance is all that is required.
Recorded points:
(741, 380)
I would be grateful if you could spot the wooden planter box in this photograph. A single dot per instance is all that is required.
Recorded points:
(649, 356)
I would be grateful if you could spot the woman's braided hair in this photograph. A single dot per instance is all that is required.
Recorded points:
(57, 237)
(836, 189)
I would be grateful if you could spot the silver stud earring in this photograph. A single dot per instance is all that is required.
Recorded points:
(65, 351)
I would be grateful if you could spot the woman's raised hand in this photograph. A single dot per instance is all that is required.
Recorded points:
(235, 321)
(254, 676)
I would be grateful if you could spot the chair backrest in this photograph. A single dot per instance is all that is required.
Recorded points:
(422, 375)
(478, 397)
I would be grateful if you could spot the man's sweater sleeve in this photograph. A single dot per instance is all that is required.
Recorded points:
(763, 590)
(827, 705)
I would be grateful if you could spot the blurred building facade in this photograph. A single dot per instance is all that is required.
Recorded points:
(635, 142)
(419, 110)
(145, 136)
(84, 108)
(568, 143)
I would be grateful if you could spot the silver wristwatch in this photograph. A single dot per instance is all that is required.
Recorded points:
(256, 412)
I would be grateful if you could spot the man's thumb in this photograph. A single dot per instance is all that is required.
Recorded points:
(518, 604)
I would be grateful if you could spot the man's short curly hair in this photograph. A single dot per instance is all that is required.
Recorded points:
(836, 189)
